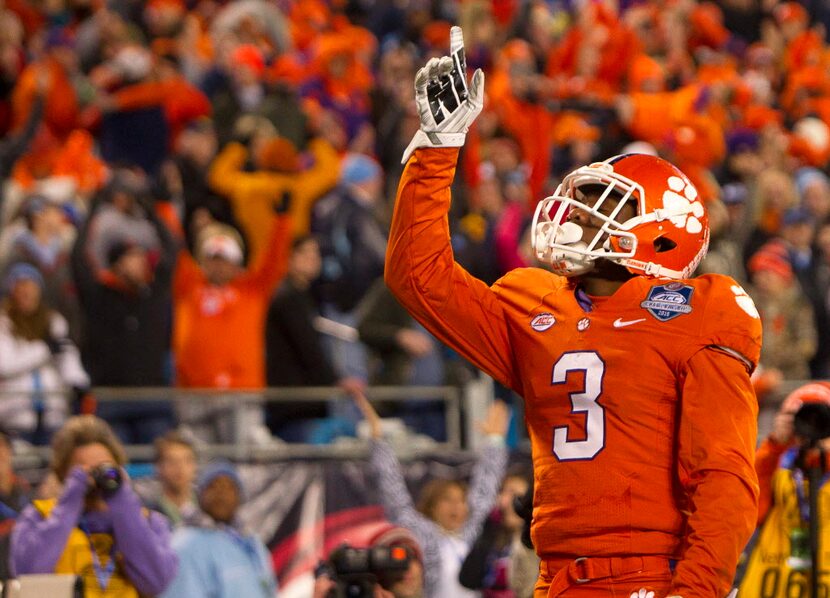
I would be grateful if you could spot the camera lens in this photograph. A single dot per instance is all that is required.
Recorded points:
(107, 478)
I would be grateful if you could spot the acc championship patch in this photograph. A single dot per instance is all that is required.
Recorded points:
(542, 322)
(668, 301)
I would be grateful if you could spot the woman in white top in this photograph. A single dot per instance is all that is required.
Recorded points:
(450, 515)
(39, 364)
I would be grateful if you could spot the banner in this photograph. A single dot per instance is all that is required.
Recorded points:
(304, 509)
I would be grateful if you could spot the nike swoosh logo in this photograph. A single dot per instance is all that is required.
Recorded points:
(620, 323)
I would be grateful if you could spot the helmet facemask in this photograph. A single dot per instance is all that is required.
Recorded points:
(560, 243)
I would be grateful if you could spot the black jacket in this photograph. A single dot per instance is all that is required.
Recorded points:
(127, 333)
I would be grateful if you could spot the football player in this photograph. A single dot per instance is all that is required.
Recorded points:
(635, 377)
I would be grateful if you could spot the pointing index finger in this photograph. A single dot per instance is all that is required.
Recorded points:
(456, 40)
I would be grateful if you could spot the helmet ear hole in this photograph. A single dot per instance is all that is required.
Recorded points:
(662, 244)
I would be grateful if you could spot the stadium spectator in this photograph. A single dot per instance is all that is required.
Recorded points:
(126, 306)
(406, 355)
(61, 110)
(40, 364)
(498, 563)
(14, 495)
(294, 351)
(783, 512)
(14, 490)
(96, 528)
(215, 299)
(121, 213)
(392, 584)
(12, 147)
(449, 516)
(277, 170)
(352, 244)
(789, 337)
(239, 89)
(45, 243)
(219, 558)
(134, 134)
(174, 493)
(194, 151)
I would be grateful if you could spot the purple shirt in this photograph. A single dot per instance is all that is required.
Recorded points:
(143, 541)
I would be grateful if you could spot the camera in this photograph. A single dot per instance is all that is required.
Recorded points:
(812, 423)
(356, 571)
(107, 478)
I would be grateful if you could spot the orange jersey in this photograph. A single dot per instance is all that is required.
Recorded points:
(640, 411)
(218, 333)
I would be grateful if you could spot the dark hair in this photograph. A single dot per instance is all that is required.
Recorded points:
(79, 431)
(173, 437)
(522, 471)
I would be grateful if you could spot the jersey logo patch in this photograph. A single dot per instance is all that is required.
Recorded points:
(745, 302)
(667, 301)
(542, 322)
(620, 323)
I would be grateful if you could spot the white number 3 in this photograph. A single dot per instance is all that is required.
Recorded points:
(581, 402)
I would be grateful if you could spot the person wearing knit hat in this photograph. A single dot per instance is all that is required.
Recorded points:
(217, 556)
(814, 188)
(401, 584)
(217, 469)
(358, 169)
(249, 57)
(789, 338)
(771, 258)
(38, 360)
(21, 271)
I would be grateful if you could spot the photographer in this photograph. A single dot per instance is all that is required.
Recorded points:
(391, 567)
(780, 556)
(97, 528)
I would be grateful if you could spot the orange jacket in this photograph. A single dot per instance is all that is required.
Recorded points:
(60, 114)
(182, 102)
(218, 332)
(642, 435)
(252, 194)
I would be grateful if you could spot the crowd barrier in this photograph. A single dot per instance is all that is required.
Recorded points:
(460, 433)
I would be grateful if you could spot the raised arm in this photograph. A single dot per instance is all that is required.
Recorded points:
(457, 308)
(143, 539)
(488, 472)
(38, 541)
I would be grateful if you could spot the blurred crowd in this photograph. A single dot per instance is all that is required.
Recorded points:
(196, 193)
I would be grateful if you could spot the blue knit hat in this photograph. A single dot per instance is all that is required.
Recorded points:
(216, 469)
(357, 168)
(21, 271)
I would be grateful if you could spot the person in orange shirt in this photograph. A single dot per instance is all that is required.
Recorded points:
(636, 377)
(219, 312)
(277, 170)
(57, 67)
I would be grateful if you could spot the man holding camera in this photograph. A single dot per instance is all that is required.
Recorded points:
(779, 562)
(96, 529)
